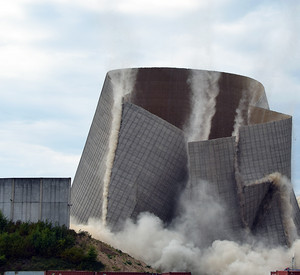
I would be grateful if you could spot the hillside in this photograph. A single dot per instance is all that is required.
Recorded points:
(42, 246)
(114, 259)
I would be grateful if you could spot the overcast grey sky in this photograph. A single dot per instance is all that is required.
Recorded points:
(54, 55)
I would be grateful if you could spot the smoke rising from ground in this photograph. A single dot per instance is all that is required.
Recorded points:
(122, 83)
(205, 89)
(183, 244)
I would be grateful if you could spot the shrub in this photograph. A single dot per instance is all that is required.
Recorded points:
(74, 255)
(3, 222)
(2, 260)
(92, 254)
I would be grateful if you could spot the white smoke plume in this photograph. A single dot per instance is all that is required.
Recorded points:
(123, 82)
(199, 211)
(225, 257)
(179, 247)
(172, 248)
(205, 88)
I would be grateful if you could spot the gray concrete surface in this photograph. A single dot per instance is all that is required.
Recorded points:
(149, 169)
(246, 141)
(87, 187)
(34, 199)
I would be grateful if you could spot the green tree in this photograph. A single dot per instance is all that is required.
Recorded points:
(2, 260)
(74, 255)
(3, 222)
(92, 254)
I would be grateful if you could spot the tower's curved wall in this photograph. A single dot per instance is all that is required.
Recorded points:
(254, 196)
(236, 93)
(269, 225)
(213, 162)
(171, 93)
(224, 119)
(164, 92)
(87, 187)
(149, 167)
(264, 149)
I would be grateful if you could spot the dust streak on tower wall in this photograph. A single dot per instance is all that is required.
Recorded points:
(204, 90)
(151, 135)
(123, 83)
(90, 185)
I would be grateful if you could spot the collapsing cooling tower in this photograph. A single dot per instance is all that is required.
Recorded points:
(156, 130)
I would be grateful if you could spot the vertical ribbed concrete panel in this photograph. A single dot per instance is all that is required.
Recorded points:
(87, 187)
(254, 196)
(26, 199)
(264, 149)
(296, 211)
(214, 162)
(149, 168)
(55, 196)
(269, 222)
(265, 211)
(34, 199)
(6, 196)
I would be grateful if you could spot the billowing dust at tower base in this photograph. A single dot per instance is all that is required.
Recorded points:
(159, 131)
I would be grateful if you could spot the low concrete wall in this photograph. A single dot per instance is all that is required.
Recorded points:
(34, 199)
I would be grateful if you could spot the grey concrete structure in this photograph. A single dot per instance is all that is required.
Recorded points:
(214, 162)
(158, 130)
(268, 150)
(87, 188)
(152, 152)
(34, 199)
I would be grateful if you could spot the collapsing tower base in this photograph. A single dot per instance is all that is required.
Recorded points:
(157, 131)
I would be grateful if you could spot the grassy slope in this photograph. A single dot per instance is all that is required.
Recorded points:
(116, 260)
(113, 259)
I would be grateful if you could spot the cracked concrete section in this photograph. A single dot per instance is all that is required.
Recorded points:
(158, 131)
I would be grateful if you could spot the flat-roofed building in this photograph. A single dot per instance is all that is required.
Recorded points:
(36, 199)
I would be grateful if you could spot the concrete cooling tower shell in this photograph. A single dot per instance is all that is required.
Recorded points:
(150, 123)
